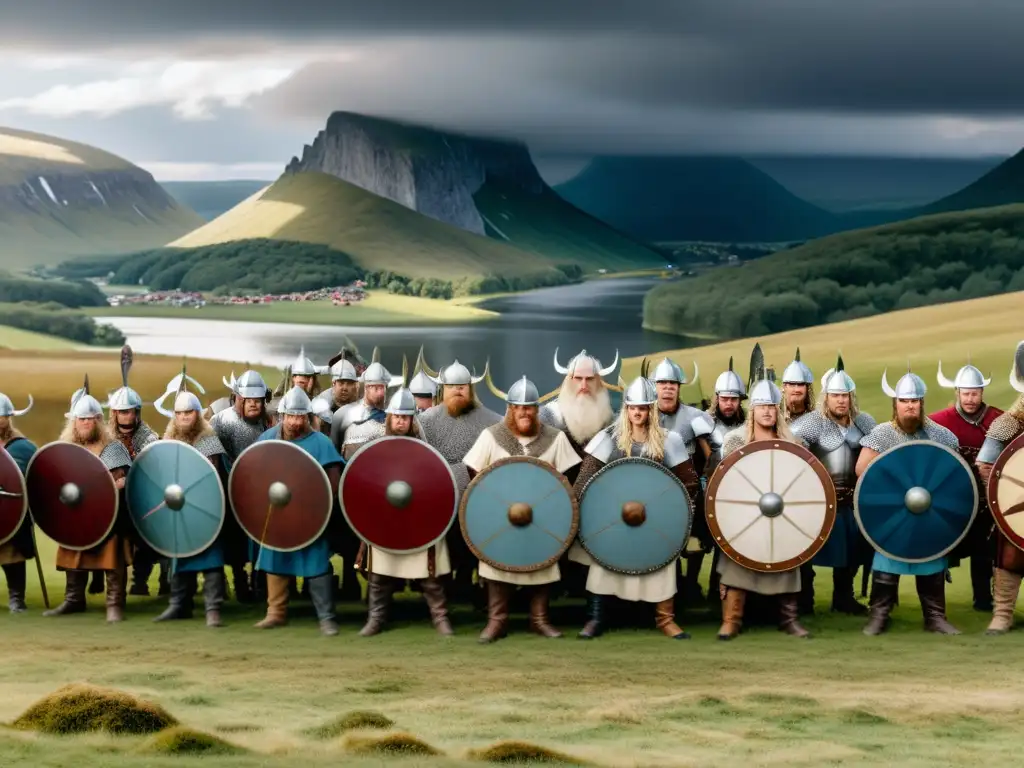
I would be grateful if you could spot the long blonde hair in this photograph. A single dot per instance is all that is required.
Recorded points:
(654, 446)
(808, 402)
(782, 430)
(105, 436)
(854, 408)
(1017, 409)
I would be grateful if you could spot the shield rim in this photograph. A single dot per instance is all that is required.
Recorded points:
(24, 498)
(307, 457)
(661, 467)
(455, 487)
(816, 466)
(574, 531)
(967, 527)
(223, 500)
(113, 486)
(992, 492)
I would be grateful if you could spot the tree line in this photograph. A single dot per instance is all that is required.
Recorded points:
(48, 306)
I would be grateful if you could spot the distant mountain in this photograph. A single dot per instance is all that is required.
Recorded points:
(870, 183)
(61, 199)
(212, 198)
(1002, 185)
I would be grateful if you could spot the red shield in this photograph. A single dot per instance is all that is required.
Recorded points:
(399, 494)
(1006, 492)
(71, 495)
(280, 495)
(13, 499)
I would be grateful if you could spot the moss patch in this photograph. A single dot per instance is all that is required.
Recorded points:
(392, 744)
(350, 721)
(80, 708)
(186, 741)
(523, 752)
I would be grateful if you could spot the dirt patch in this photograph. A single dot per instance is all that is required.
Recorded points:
(80, 708)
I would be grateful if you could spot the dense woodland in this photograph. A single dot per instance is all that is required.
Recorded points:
(923, 261)
(48, 306)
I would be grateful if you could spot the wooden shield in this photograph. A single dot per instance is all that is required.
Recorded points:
(280, 495)
(13, 497)
(770, 506)
(1006, 492)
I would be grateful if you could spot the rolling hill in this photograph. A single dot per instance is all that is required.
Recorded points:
(60, 199)
(212, 198)
(1002, 185)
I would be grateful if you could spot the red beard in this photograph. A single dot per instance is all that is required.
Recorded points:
(513, 426)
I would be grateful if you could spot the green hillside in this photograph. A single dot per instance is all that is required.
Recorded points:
(1002, 185)
(919, 262)
(60, 199)
(212, 198)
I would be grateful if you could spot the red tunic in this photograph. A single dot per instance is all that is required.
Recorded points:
(970, 435)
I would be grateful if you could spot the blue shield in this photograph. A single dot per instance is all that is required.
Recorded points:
(635, 516)
(519, 515)
(916, 501)
(175, 499)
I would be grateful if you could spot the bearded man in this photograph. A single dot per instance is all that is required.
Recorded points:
(726, 412)
(833, 434)
(85, 427)
(969, 418)
(521, 433)
(908, 423)
(344, 384)
(187, 425)
(797, 390)
(635, 434)
(452, 427)
(387, 572)
(583, 407)
(1009, 559)
(21, 546)
(304, 374)
(312, 562)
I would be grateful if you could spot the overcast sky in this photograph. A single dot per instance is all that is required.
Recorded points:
(216, 89)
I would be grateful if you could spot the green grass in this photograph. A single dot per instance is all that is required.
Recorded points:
(16, 338)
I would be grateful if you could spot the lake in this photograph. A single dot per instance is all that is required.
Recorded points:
(601, 316)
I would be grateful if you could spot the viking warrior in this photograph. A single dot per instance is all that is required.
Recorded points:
(344, 384)
(85, 427)
(797, 390)
(1009, 560)
(312, 562)
(636, 434)
(452, 427)
(583, 407)
(908, 423)
(323, 412)
(521, 433)
(225, 403)
(355, 423)
(127, 426)
(20, 547)
(187, 425)
(424, 390)
(725, 411)
(764, 422)
(833, 433)
(970, 418)
(304, 374)
(387, 572)
(694, 426)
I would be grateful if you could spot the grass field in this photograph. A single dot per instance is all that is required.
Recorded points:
(17, 338)
(986, 330)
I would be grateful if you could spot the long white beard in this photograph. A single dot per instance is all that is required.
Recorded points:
(584, 416)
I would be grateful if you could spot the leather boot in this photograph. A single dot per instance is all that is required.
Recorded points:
(142, 569)
(595, 623)
(240, 582)
(499, 595)
(885, 588)
(74, 594)
(433, 593)
(15, 574)
(932, 591)
(665, 620)
(277, 602)
(378, 597)
(843, 599)
(539, 601)
(115, 594)
(805, 598)
(96, 585)
(1007, 587)
(163, 581)
(180, 604)
(981, 582)
(321, 594)
(214, 592)
(732, 613)
(789, 616)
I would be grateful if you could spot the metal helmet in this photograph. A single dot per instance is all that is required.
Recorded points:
(343, 370)
(523, 392)
(730, 384)
(640, 391)
(457, 373)
(295, 403)
(124, 399)
(765, 392)
(1017, 369)
(909, 387)
(796, 372)
(376, 373)
(322, 408)
(584, 357)
(402, 403)
(303, 366)
(186, 401)
(837, 381)
(422, 385)
(7, 406)
(667, 370)
(85, 406)
(967, 377)
(251, 386)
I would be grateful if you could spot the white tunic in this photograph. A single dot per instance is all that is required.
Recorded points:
(414, 566)
(486, 451)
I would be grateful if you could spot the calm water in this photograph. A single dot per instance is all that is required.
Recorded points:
(599, 316)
